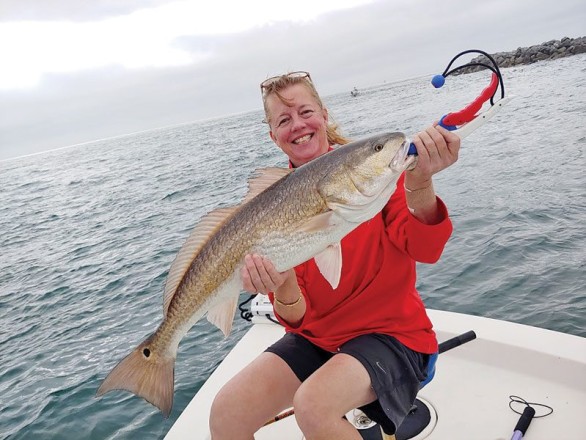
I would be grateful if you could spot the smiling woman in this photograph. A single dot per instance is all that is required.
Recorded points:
(299, 128)
(297, 117)
(323, 366)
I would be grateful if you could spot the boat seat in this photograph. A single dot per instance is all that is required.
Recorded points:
(419, 416)
(430, 369)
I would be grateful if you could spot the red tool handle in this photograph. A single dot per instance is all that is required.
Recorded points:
(468, 113)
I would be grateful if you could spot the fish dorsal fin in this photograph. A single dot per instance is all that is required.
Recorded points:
(262, 179)
(329, 263)
(204, 229)
(222, 315)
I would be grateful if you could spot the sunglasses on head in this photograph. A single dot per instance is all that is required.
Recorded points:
(268, 82)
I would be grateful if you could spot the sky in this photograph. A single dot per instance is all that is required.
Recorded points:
(74, 71)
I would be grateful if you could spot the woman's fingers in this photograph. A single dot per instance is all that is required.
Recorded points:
(250, 276)
(246, 280)
(452, 141)
(437, 148)
(436, 142)
(259, 275)
(266, 283)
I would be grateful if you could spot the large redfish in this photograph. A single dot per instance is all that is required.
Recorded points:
(289, 216)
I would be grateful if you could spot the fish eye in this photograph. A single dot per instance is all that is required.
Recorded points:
(378, 147)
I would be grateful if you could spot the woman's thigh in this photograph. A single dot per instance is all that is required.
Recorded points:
(257, 393)
(339, 386)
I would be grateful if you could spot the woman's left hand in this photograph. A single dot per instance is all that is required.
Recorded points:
(259, 275)
(437, 149)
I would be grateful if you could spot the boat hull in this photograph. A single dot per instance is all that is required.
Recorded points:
(470, 391)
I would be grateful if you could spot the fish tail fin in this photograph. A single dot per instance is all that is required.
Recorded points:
(147, 374)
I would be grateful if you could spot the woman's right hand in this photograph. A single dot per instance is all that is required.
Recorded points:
(260, 276)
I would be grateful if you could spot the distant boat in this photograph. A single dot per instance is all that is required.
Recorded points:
(354, 92)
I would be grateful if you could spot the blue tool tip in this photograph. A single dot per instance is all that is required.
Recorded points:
(412, 150)
(438, 81)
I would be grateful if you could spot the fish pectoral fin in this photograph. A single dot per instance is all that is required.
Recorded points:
(318, 223)
(355, 213)
(222, 315)
(329, 263)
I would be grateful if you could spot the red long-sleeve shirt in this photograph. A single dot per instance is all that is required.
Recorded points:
(377, 291)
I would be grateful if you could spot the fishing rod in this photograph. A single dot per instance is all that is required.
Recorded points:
(528, 414)
(465, 121)
(523, 423)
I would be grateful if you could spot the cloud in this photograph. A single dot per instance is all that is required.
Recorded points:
(70, 10)
(143, 38)
(363, 46)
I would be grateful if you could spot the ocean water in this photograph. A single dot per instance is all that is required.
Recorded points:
(87, 235)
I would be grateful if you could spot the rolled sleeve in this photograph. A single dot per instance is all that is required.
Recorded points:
(425, 243)
(422, 242)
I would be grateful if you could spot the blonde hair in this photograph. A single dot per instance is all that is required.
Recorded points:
(284, 81)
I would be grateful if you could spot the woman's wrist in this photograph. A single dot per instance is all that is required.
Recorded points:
(422, 203)
(288, 295)
(413, 183)
(421, 188)
(289, 304)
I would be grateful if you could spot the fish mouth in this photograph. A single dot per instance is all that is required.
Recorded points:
(403, 160)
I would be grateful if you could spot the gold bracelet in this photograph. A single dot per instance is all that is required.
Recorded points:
(415, 190)
(297, 301)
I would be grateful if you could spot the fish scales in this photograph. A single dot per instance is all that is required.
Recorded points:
(293, 217)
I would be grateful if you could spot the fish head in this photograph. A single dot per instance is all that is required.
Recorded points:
(378, 161)
(365, 175)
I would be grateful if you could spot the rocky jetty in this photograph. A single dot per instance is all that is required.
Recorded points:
(550, 50)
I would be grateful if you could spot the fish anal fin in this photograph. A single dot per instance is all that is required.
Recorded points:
(145, 373)
(329, 263)
(262, 179)
(198, 237)
(222, 315)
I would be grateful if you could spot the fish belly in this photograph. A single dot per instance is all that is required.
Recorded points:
(287, 250)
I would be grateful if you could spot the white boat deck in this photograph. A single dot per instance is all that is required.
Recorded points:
(470, 391)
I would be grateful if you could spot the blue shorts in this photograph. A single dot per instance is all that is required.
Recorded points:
(396, 371)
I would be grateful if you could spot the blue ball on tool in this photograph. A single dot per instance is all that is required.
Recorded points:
(438, 81)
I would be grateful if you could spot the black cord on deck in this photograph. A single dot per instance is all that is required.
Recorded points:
(519, 400)
(270, 318)
(246, 314)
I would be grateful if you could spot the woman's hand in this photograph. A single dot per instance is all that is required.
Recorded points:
(437, 149)
(260, 276)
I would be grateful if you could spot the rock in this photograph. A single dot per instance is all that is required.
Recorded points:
(550, 50)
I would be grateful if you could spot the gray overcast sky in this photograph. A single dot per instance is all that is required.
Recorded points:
(74, 71)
